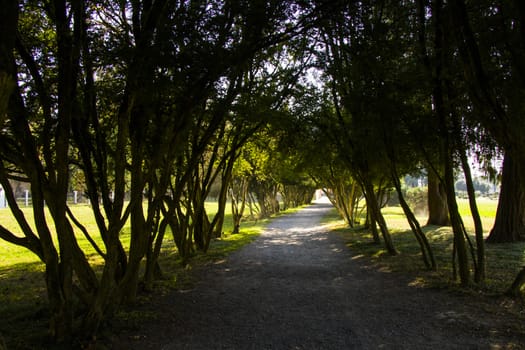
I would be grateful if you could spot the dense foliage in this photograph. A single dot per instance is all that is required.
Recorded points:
(152, 107)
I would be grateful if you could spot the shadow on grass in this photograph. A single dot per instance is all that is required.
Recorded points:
(23, 299)
(503, 261)
(23, 305)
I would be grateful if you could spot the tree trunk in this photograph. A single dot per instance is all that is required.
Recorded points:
(509, 225)
(375, 210)
(239, 192)
(442, 111)
(252, 205)
(479, 276)
(218, 220)
(343, 198)
(260, 194)
(199, 216)
(437, 201)
(426, 250)
(61, 315)
(371, 224)
(457, 227)
(519, 282)
(152, 270)
(128, 286)
(105, 296)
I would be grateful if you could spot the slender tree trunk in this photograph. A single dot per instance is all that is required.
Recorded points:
(442, 112)
(457, 136)
(426, 250)
(139, 234)
(152, 269)
(252, 205)
(238, 208)
(198, 217)
(479, 276)
(236, 216)
(60, 319)
(260, 193)
(105, 297)
(457, 228)
(218, 220)
(371, 223)
(376, 212)
(344, 199)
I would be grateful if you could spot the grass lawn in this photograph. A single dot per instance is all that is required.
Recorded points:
(503, 260)
(23, 301)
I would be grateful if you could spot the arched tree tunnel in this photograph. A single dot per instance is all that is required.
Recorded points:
(151, 108)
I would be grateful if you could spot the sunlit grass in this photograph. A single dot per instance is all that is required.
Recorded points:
(13, 258)
(486, 207)
(503, 260)
(11, 254)
(23, 300)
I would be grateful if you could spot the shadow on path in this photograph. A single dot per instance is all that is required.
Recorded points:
(297, 287)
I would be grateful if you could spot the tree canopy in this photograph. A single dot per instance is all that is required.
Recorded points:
(156, 106)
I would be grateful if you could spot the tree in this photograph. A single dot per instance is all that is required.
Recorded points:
(39, 120)
(352, 38)
(492, 62)
(127, 104)
(437, 62)
(437, 200)
(313, 138)
(509, 225)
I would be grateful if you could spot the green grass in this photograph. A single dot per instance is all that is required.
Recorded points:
(23, 301)
(503, 260)
(12, 254)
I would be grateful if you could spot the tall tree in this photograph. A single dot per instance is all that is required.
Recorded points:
(352, 37)
(492, 62)
(115, 88)
(40, 118)
(437, 58)
(509, 225)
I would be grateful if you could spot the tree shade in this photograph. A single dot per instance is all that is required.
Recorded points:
(157, 103)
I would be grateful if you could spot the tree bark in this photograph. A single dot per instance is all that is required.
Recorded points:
(457, 228)
(218, 220)
(509, 225)
(375, 210)
(343, 196)
(519, 282)
(426, 250)
(441, 110)
(371, 223)
(479, 276)
(437, 201)
(238, 194)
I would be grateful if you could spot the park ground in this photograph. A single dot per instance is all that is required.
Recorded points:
(307, 282)
(298, 286)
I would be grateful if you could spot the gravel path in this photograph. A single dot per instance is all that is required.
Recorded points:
(299, 287)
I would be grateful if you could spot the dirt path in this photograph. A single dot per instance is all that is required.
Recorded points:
(298, 287)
